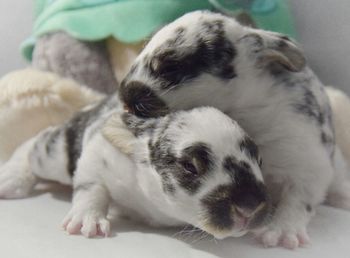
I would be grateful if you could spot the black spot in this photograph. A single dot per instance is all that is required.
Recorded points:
(281, 44)
(248, 191)
(220, 203)
(141, 100)
(75, 129)
(309, 106)
(256, 42)
(308, 208)
(164, 162)
(201, 155)
(178, 39)
(230, 163)
(327, 139)
(286, 38)
(219, 207)
(50, 142)
(321, 118)
(248, 146)
(172, 169)
(167, 184)
(212, 53)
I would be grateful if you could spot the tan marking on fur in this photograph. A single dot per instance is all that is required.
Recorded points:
(340, 104)
(118, 135)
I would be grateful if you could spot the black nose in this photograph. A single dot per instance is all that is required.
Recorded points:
(141, 100)
(251, 199)
(253, 204)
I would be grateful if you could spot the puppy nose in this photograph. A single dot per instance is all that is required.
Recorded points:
(140, 100)
(248, 213)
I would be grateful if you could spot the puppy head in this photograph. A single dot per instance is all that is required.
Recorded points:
(202, 58)
(207, 168)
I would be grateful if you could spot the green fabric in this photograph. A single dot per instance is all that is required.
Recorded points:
(134, 20)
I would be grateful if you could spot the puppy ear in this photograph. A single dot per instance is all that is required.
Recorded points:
(275, 50)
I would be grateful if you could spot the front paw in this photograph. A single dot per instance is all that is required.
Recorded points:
(89, 223)
(273, 235)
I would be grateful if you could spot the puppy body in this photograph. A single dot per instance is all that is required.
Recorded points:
(179, 170)
(258, 78)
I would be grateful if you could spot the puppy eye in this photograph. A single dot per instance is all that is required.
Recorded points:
(165, 68)
(189, 167)
(260, 162)
(165, 64)
(169, 69)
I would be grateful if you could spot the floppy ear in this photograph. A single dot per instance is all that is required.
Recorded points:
(274, 50)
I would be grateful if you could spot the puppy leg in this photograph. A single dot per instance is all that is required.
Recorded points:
(43, 156)
(88, 214)
(303, 179)
(339, 191)
(288, 225)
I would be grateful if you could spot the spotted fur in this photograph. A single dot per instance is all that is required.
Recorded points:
(261, 80)
(170, 178)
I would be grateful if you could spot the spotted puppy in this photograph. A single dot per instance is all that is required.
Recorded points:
(184, 170)
(258, 78)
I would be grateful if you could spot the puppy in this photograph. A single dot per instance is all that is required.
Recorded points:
(260, 79)
(181, 169)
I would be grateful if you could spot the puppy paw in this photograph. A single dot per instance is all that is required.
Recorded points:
(290, 239)
(15, 183)
(88, 223)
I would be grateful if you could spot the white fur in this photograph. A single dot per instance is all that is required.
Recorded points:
(105, 173)
(296, 165)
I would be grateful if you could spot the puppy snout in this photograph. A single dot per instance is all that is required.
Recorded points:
(141, 100)
(248, 213)
(252, 206)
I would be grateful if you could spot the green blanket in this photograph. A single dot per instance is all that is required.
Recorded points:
(134, 20)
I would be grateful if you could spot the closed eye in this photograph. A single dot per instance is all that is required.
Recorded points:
(189, 167)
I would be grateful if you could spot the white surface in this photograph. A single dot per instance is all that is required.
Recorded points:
(30, 228)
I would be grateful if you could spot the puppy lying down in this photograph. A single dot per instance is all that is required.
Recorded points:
(181, 169)
(198, 167)
(261, 80)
